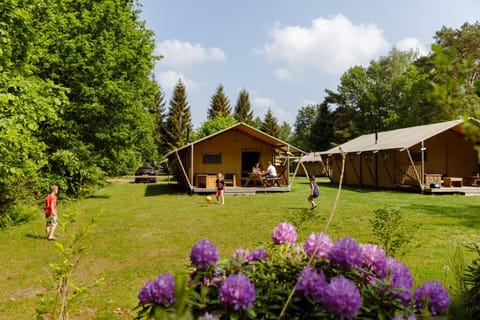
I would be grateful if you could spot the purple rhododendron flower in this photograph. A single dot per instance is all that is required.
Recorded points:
(401, 280)
(237, 291)
(159, 291)
(318, 244)
(257, 254)
(311, 282)
(145, 295)
(240, 255)
(342, 297)
(437, 297)
(374, 259)
(284, 233)
(203, 254)
(345, 254)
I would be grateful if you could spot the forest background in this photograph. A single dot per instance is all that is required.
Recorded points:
(79, 102)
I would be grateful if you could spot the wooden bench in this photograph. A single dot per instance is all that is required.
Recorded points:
(230, 179)
(271, 182)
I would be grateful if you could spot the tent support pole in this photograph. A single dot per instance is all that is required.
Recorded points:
(422, 187)
(184, 172)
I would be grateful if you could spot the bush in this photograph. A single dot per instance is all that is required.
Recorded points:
(320, 279)
(390, 229)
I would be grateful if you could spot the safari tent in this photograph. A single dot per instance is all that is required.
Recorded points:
(311, 164)
(233, 152)
(413, 158)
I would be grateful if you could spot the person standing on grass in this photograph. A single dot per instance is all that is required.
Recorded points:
(51, 212)
(220, 183)
(314, 192)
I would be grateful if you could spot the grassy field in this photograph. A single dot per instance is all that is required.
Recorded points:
(136, 231)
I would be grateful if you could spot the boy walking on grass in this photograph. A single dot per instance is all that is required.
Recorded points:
(51, 212)
(314, 192)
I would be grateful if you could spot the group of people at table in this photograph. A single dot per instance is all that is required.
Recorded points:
(258, 175)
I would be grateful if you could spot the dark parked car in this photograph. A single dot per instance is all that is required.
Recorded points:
(145, 174)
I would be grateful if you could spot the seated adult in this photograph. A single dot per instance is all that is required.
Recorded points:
(256, 169)
(271, 171)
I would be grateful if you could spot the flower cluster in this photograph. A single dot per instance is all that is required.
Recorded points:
(342, 280)
(204, 254)
(158, 291)
(237, 292)
(434, 295)
(284, 233)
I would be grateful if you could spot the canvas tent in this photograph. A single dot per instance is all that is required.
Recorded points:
(232, 151)
(409, 157)
(311, 164)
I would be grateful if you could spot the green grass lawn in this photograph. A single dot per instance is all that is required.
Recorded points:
(137, 231)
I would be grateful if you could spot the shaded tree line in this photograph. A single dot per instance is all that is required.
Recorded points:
(75, 89)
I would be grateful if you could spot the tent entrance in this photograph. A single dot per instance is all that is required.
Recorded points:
(249, 158)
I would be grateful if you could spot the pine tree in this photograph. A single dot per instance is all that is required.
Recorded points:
(243, 112)
(179, 122)
(219, 105)
(270, 124)
(160, 114)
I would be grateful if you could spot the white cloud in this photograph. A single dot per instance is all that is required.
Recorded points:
(329, 45)
(260, 106)
(412, 44)
(181, 55)
(169, 79)
(283, 74)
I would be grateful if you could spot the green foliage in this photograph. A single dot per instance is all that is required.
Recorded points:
(472, 282)
(75, 91)
(285, 132)
(270, 124)
(214, 125)
(391, 230)
(243, 111)
(26, 102)
(304, 126)
(178, 126)
(160, 114)
(219, 105)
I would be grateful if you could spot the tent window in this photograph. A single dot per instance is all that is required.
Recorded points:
(417, 156)
(212, 158)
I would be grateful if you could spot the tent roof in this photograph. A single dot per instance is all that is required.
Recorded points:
(251, 131)
(312, 157)
(397, 139)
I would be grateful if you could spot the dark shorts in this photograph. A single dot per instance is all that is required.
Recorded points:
(51, 220)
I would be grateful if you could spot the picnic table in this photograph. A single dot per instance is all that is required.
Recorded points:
(254, 178)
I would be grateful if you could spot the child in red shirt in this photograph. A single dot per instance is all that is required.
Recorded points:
(51, 212)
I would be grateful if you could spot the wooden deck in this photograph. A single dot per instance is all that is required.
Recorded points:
(466, 190)
(242, 190)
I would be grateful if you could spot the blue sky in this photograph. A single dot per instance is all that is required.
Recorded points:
(285, 53)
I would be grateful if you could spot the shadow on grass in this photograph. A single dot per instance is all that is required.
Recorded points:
(98, 197)
(466, 215)
(35, 236)
(157, 189)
